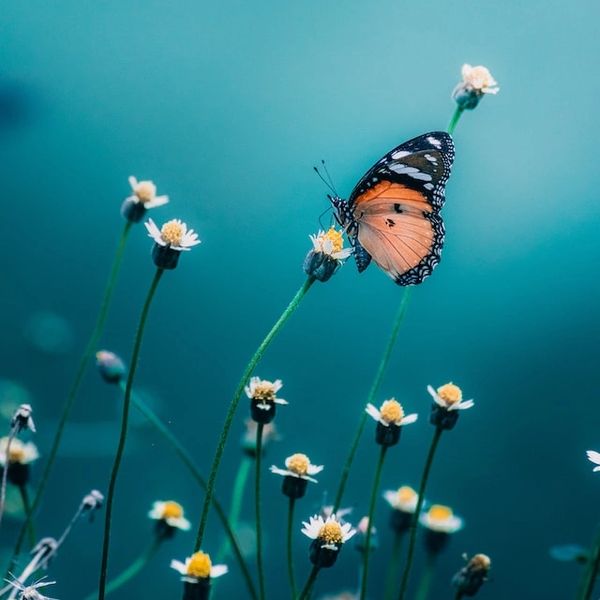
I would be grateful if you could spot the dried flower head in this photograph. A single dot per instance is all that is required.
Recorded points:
(22, 420)
(473, 575)
(92, 501)
(111, 367)
(31, 592)
(476, 82)
(198, 568)
(327, 254)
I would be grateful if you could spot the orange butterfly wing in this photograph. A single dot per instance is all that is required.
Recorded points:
(399, 229)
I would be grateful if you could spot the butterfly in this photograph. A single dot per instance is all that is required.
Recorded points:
(393, 214)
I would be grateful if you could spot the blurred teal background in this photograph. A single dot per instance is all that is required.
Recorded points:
(227, 106)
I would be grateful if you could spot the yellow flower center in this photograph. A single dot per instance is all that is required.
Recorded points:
(298, 464)
(199, 565)
(172, 232)
(16, 454)
(440, 513)
(391, 411)
(406, 494)
(172, 510)
(335, 237)
(450, 393)
(331, 533)
(145, 191)
(264, 392)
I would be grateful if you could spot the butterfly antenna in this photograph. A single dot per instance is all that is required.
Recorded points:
(331, 184)
(325, 181)
(322, 215)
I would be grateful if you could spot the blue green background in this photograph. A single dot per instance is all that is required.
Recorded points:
(227, 106)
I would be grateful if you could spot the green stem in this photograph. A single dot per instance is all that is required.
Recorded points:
(123, 436)
(259, 553)
(290, 553)
(72, 394)
(235, 509)
(287, 313)
(134, 568)
(415, 518)
(27, 511)
(381, 369)
(310, 582)
(367, 550)
(187, 460)
(392, 574)
(458, 111)
(592, 571)
(425, 584)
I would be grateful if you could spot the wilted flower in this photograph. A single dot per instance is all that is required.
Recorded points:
(594, 457)
(439, 522)
(31, 592)
(404, 502)
(327, 511)
(92, 501)
(297, 473)
(390, 418)
(22, 420)
(263, 398)
(143, 198)
(197, 572)
(44, 550)
(269, 434)
(361, 536)
(20, 456)
(170, 240)
(476, 82)
(169, 517)
(111, 367)
(473, 575)
(328, 538)
(447, 401)
(327, 254)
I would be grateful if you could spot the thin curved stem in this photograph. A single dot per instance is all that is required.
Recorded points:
(372, 503)
(134, 568)
(123, 436)
(290, 552)
(392, 574)
(426, 579)
(287, 313)
(237, 497)
(27, 512)
(592, 571)
(458, 111)
(381, 369)
(259, 549)
(415, 519)
(310, 582)
(188, 461)
(73, 390)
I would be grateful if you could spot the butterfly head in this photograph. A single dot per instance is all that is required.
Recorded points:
(343, 213)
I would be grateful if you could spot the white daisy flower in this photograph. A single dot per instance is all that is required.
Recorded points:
(198, 567)
(390, 413)
(171, 513)
(404, 499)
(298, 465)
(449, 397)
(479, 79)
(330, 532)
(144, 192)
(19, 453)
(594, 457)
(441, 519)
(264, 392)
(173, 234)
(330, 243)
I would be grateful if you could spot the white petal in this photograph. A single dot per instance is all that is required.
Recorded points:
(408, 419)
(218, 570)
(132, 182)
(279, 471)
(464, 404)
(280, 401)
(314, 469)
(593, 456)
(596, 469)
(373, 412)
(179, 567)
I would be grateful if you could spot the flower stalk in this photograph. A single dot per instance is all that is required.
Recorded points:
(256, 358)
(289, 546)
(123, 435)
(413, 525)
(257, 501)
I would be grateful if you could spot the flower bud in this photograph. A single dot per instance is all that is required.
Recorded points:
(111, 367)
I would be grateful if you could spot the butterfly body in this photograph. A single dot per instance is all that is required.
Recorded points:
(392, 215)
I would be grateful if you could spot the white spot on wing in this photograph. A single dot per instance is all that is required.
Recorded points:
(411, 172)
(400, 154)
(434, 142)
(428, 186)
